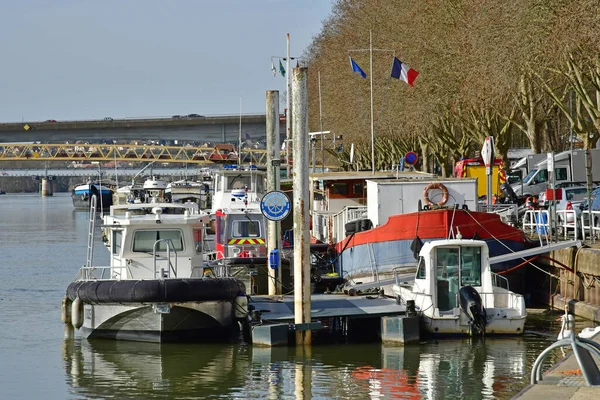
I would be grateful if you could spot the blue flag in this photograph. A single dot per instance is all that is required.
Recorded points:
(356, 68)
(281, 69)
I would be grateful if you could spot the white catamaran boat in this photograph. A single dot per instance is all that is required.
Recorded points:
(455, 291)
(157, 287)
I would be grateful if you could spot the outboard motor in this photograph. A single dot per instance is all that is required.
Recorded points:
(471, 304)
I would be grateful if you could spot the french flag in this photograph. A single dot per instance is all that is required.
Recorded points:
(404, 72)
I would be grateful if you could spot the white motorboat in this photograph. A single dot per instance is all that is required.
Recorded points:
(157, 287)
(186, 190)
(456, 292)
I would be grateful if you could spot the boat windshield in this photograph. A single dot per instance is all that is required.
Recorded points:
(470, 268)
(143, 241)
(460, 264)
(421, 268)
(245, 228)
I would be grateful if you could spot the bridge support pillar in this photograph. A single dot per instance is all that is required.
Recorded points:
(46, 187)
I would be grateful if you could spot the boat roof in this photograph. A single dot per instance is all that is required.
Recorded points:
(429, 246)
(151, 220)
(412, 180)
(149, 213)
(240, 171)
(350, 175)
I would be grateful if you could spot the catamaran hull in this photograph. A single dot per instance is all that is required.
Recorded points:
(189, 321)
(459, 326)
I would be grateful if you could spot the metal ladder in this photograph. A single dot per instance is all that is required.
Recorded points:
(91, 228)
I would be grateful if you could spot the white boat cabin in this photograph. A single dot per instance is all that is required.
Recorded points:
(445, 266)
(235, 186)
(149, 241)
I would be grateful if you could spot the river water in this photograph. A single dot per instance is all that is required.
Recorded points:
(43, 242)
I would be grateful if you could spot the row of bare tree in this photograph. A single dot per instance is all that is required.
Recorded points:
(522, 71)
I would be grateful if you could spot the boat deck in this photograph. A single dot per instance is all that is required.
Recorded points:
(281, 308)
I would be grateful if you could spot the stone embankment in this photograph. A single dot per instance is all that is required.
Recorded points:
(579, 288)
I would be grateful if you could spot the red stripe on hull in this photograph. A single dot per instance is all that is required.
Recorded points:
(436, 224)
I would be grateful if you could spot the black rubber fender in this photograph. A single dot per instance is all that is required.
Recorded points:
(155, 290)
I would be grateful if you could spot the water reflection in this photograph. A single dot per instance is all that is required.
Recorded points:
(119, 369)
(436, 370)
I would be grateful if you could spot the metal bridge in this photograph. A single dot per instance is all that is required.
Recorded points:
(218, 155)
(94, 172)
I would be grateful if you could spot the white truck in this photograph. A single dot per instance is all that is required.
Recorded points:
(569, 168)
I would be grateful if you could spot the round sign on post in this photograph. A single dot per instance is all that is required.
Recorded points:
(275, 205)
(411, 158)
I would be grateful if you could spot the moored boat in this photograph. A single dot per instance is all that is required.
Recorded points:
(157, 287)
(82, 195)
(397, 242)
(455, 291)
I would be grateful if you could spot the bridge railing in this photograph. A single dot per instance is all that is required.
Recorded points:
(131, 152)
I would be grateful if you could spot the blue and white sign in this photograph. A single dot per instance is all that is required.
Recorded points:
(275, 205)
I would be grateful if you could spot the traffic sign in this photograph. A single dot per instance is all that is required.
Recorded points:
(487, 152)
(411, 158)
(275, 205)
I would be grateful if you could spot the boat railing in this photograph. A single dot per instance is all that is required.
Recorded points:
(171, 271)
(330, 227)
(591, 229)
(566, 223)
(503, 300)
(537, 222)
(509, 213)
(96, 273)
(500, 281)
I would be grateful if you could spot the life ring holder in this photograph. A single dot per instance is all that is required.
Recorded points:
(439, 186)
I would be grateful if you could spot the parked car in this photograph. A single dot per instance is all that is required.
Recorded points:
(176, 117)
(108, 119)
(583, 207)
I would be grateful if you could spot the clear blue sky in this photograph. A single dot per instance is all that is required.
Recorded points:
(85, 59)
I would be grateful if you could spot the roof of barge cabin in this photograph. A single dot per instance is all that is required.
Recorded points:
(347, 175)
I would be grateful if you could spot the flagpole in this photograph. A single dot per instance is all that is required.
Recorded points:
(240, 136)
(370, 50)
(321, 125)
(288, 115)
(372, 126)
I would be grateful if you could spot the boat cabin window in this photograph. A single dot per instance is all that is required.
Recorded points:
(116, 242)
(339, 188)
(143, 241)
(238, 182)
(245, 228)
(447, 262)
(357, 188)
(198, 240)
(421, 270)
(471, 266)
(220, 227)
